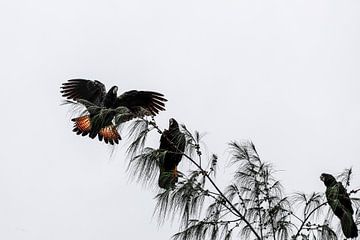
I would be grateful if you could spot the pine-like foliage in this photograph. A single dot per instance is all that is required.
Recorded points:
(252, 206)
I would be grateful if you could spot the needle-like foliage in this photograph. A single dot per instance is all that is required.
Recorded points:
(252, 206)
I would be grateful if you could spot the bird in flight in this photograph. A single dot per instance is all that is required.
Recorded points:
(340, 204)
(173, 142)
(105, 110)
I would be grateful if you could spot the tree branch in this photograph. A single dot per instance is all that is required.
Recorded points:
(238, 213)
(307, 218)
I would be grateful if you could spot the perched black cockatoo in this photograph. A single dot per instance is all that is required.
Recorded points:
(340, 203)
(173, 142)
(101, 107)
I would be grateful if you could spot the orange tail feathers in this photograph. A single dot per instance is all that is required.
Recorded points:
(82, 125)
(109, 134)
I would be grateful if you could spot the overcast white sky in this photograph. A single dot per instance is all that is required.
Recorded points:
(284, 74)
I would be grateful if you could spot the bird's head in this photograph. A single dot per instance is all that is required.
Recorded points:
(328, 179)
(114, 90)
(173, 123)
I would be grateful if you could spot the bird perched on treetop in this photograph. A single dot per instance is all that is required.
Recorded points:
(103, 107)
(173, 142)
(340, 204)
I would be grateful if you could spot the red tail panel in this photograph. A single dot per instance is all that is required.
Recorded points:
(109, 134)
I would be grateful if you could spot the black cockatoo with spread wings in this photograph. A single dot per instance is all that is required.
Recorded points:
(173, 143)
(340, 204)
(102, 107)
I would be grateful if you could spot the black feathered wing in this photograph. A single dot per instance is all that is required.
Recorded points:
(142, 103)
(82, 89)
(344, 198)
(332, 195)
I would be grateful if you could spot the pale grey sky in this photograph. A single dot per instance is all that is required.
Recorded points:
(284, 74)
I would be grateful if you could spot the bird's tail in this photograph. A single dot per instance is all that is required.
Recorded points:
(109, 134)
(348, 226)
(82, 125)
(167, 179)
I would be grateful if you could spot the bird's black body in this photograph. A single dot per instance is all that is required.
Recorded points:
(110, 98)
(101, 107)
(340, 204)
(173, 142)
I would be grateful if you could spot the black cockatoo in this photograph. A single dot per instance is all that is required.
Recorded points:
(101, 106)
(173, 142)
(340, 203)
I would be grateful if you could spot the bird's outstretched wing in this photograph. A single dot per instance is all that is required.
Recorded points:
(136, 101)
(92, 91)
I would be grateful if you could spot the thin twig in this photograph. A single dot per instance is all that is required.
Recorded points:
(306, 218)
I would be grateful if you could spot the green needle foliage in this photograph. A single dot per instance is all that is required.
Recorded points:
(252, 206)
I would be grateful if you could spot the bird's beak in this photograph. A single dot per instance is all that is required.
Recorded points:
(322, 178)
